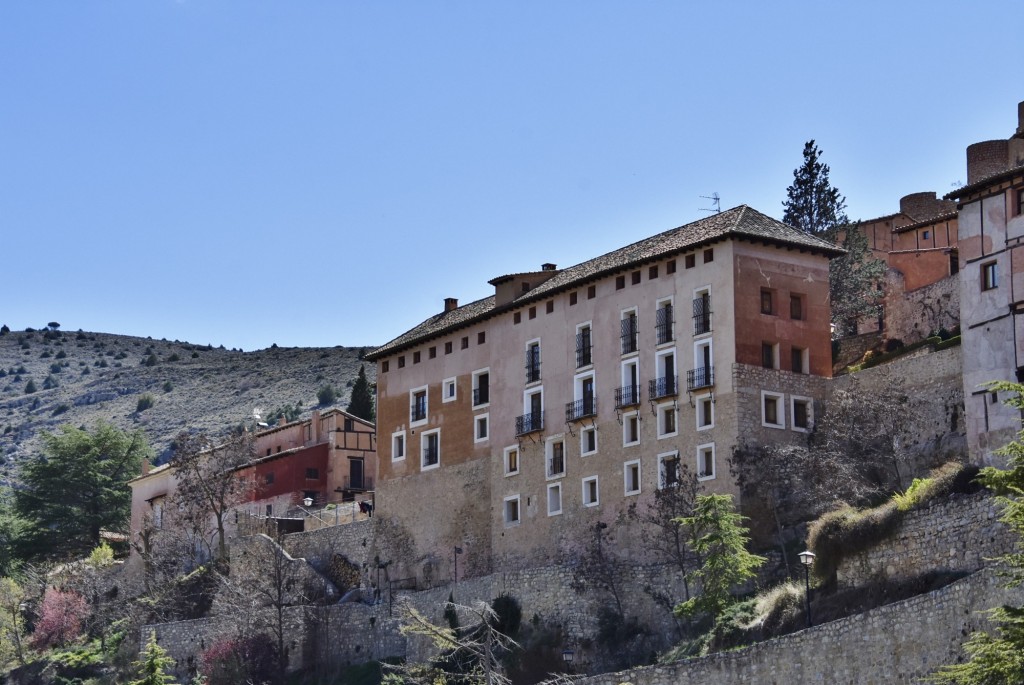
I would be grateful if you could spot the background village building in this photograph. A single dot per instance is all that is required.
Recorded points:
(329, 458)
(991, 228)
(512, 425)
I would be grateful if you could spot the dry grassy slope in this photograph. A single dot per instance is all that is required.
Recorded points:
(211, 389)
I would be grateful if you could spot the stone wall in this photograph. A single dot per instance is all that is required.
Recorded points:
(894, 643)
(913, 316)
(351, 540)
(956, 534)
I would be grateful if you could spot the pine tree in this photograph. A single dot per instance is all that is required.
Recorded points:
(361, 404)
(814, 205)
(153, 663)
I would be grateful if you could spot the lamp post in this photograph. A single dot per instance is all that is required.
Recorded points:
(308, 502)
(807, 559)
(567, 655)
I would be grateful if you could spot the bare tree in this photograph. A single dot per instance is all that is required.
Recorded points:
(208, 484)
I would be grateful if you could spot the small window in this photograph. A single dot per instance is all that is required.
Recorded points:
(631, 429)
(416, 357)
(989, 276)
(481, 337)
(572, 299)
(588, 441)
(550, 306)
(511, 461)
(349, 425)
(652, 272)
(799, 360)
(465, 342)
(512, 510)
(635, 276)
(631, 477)
(554, 499)
(432, 353)
(385, 366)
(772, 412)
(430, 450)
(449, 390)
(532, 362)
(533, 312)
(555, 458)
(925, 235)
(448, 347)
(796, 307)
(517, 317)
(668, 470)
(480, 428)
(768, 355)
(705, 412)
(398, 446)
(620, 282)
(709, 255)
(1020, 202)
(706, 462)
(481, 387)
(667, 420)
(670, 266)
(691, 261)
(591, 292)
(802, 412)
(767, 301)
(590, 492)
(268, 479)
(418, 406)
(401, 362)
(312, 474)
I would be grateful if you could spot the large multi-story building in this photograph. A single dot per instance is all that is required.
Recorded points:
(991, 226)
(510, 426)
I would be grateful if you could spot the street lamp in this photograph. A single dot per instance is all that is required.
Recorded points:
(567, 655)
(807, 559)
(308, 501)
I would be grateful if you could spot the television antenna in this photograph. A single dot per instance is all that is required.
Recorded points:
(715, 200)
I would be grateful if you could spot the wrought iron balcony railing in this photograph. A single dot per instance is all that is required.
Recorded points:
(481, 396)
(584, 350)
(530, 423)
(581, 409)
(703, 377)
(701, 315)
(663, 324)
(627, 396)
(628, 335)
(418, 411)
(533, 365)
(666, 386)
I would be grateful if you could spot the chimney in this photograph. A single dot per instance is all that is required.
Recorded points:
(146, 466)
(548, 267)
(450, 303)
(1020, 120)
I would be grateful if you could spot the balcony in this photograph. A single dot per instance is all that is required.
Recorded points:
(581, 409)
(700, 378)
(663, 325)
(418, 412)
(357, 483)
(627, 396)
(666, 386)
(481, 396)
(701, 315)
(584, 350)
(429, 456)
(628, 335)
(530, 423)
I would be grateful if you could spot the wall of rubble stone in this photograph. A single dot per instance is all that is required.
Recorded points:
(912, 316)
(957, 534)
(895, 643)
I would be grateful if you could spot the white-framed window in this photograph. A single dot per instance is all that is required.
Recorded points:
(666, 380)
(481, 388)
(628, 394)
(554, 499)
(801, 411)
(511, 458)
(554, 457)
(591, 493)
(398, 446)
(668, 469)
(584, 395)
(702, 311)
(770, 355)
(584, 345)
(706, 461)
(449, 389)
(629, 332)
(481, 427)
(664, 321)
(668, 420)
(773, 409)
(533, 361)
(533, 409)
(588, 441)
(703, 365)
(989, 276)
(631, 477)
(705, 412)
(430, 449)
(631, 429)
(511, 512)
(800, 360)
(418, 407)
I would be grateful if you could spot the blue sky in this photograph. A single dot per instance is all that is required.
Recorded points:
(325, 173)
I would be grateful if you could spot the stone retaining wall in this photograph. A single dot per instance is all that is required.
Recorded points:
(957, 534)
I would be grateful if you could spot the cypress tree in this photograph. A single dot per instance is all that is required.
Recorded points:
(361, 403)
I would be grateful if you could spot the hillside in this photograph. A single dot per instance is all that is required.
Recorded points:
(82, 377)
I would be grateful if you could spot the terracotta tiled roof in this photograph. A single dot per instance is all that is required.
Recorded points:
(981, 183)
(742, 223)
(945, 216)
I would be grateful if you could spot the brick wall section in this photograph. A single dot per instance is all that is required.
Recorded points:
(895, 643)
(956, 534)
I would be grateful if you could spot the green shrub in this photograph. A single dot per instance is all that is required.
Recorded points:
(144, 403)
(56, 368)
(151, 360)
(327, 395)
(30, 387)
(62, 354)
(46, 354)
(60, 409)
(167, 386)
(174, 358)
(49, 383)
